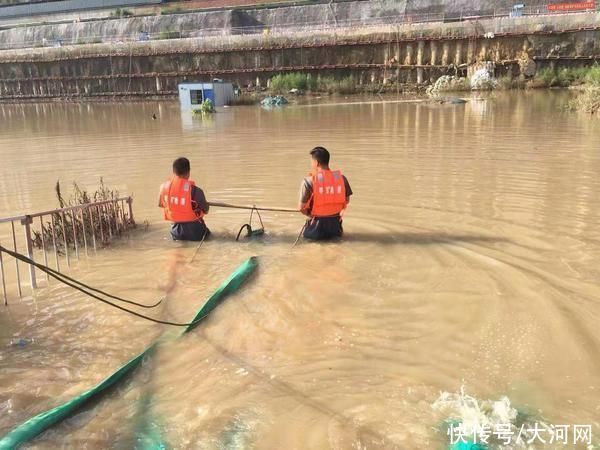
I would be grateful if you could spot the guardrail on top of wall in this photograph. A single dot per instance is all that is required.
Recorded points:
(66, 6)
(283, 28)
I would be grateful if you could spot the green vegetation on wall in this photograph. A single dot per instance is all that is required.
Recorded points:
(285, 82)
(171, 10)
(567, 76)
(120, 13)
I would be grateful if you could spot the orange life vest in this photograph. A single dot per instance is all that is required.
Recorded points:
(328, 193)
(176, 200)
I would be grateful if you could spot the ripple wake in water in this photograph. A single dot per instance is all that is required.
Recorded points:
(474, 424)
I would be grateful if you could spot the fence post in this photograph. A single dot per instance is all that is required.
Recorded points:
(14, 236)
(129, 202)
(27, 221)
(3, 281)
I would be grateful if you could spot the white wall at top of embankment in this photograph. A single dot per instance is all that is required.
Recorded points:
(523, 25)
(288, 20)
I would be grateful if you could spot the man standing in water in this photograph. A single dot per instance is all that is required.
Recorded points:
(324, 195)
(184, 204)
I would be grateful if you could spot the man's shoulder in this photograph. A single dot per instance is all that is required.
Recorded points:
(344, 177)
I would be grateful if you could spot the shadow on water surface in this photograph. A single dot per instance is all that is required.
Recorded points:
(408, 238)
(419, 238)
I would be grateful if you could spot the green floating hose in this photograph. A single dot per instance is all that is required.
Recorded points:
(468, 446)
(148, 435)
(36, 425)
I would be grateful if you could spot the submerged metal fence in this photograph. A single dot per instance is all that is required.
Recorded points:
(61, 234)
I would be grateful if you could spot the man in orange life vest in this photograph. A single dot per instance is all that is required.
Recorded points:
(324, 195)
(184, 204)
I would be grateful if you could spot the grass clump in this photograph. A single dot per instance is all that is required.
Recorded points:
(284, 82)
(588, 101)
(567, 76)
(332, 85)
(206, 107)
(571, 76)
(544, 78)
(96, 223)
(593, 76)
(120, 13)
(507, 83)
(171, 10)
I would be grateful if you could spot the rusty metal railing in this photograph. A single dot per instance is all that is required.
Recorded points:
(67, 233)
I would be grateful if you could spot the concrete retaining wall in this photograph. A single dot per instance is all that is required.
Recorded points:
(409, 53)
(114, 29)
(413, 54)
(295, 16)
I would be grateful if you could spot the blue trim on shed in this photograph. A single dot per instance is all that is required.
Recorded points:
(210, 94)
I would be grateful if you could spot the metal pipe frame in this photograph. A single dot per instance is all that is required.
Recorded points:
(108, 210)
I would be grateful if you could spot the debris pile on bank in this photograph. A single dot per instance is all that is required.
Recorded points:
(277, 100)
(448, 83)
(482, 80)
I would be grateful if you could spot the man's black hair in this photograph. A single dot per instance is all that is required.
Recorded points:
(321, 155)
(181, 167)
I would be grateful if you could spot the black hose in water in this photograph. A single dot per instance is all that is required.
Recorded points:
(81, 287)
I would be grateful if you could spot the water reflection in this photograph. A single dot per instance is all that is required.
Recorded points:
(470, 256)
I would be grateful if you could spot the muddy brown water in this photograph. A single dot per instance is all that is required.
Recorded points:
(471, 259)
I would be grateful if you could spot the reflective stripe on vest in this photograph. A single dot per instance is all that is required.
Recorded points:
(176, 198)
(329, 193)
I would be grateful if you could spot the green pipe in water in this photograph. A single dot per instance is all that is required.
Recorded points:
(38, 424)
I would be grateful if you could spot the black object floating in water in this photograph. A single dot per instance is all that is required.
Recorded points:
(250, 233)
